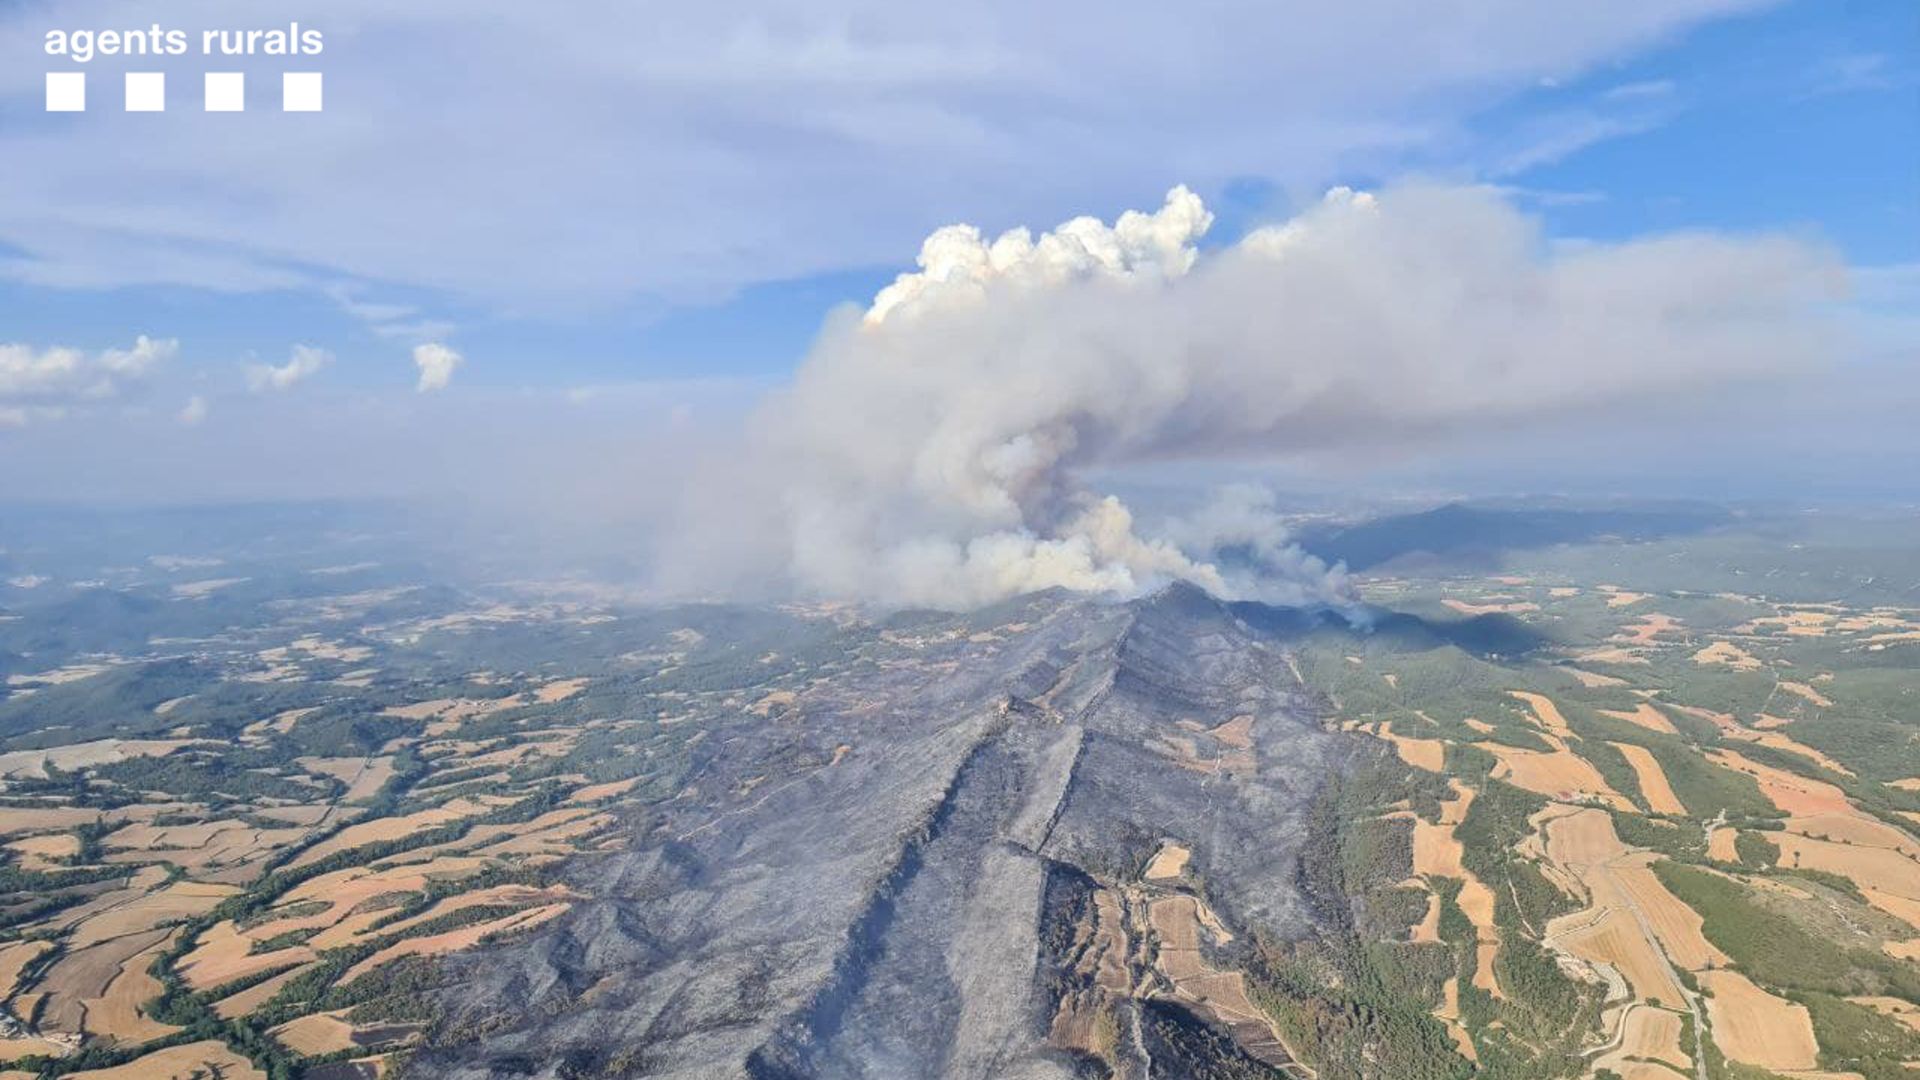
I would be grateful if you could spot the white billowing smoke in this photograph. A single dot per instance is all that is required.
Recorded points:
(931, 449)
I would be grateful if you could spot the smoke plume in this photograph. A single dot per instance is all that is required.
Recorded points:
(932, 448)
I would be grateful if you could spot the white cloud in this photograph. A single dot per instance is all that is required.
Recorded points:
(305, 362)
(44, 384)
(1849, 73)
(756, 141)
(1641, 90)
(436, 363)
(934, 449)
(193, 412)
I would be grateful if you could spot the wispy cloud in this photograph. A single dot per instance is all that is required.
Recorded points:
(753, 142)
(1559, 136)
(305, 363)
(1852, 73)
(1640, 91)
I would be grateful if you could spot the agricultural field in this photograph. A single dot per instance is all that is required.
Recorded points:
(313, 813)
(241, 841)
(1661, 833)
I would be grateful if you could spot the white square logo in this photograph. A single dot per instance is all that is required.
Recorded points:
(66, 91)
(146, 91)
(226, 91)
(300, 91)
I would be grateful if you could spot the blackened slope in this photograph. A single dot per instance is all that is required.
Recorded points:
(1156, 766)
(885, 916)
(751, 919)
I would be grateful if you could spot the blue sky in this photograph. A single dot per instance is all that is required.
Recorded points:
(683, 198)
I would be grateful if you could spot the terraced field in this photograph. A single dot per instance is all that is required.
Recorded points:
(1685, 762)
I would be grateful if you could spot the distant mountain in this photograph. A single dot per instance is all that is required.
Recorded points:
(1475, 534)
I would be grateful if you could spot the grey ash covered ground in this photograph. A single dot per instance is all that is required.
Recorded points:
(854, 882)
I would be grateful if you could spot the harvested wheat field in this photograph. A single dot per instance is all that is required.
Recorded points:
(1220, 995)
(598, 792)
(447, 714)
(1790, 792)
(1631, 924)
(1677, 927)
(1890, 880)
(1428, 928)
(320, 1033)
(455, 940)
(1618, 597)
(1610, 654)
(1561, 774)
(1476, 902)
(551, 834)
(1648, 629)
(1646, 716)
(558, 690)
(14, 958)
(117, 1013)
(1645, 1070)
(1593, 680)
(72, 758)
(281, 722)
(1727, 654)
(1649, 1033)
(1610, 941)
(201, 848)
(1497, 607)
(244, 1002)
(1545, 713)
(1449, 1014)
(1168, 862)
(1795, 623)
(1858, 828)
(1435, 851)
(391, 828)
(1653, 780)
(1428, 754)
(348, 902)
(519, 753)
(84, 974)
(504, 895)
(224, 954)
(1800, 689)
(15, 820)
(193, 1061)
(364, 777)
(1777, 741)
(182, 900)
(42, 853)
(1756, 1028)
(1904, 1011)
(1720, 844)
